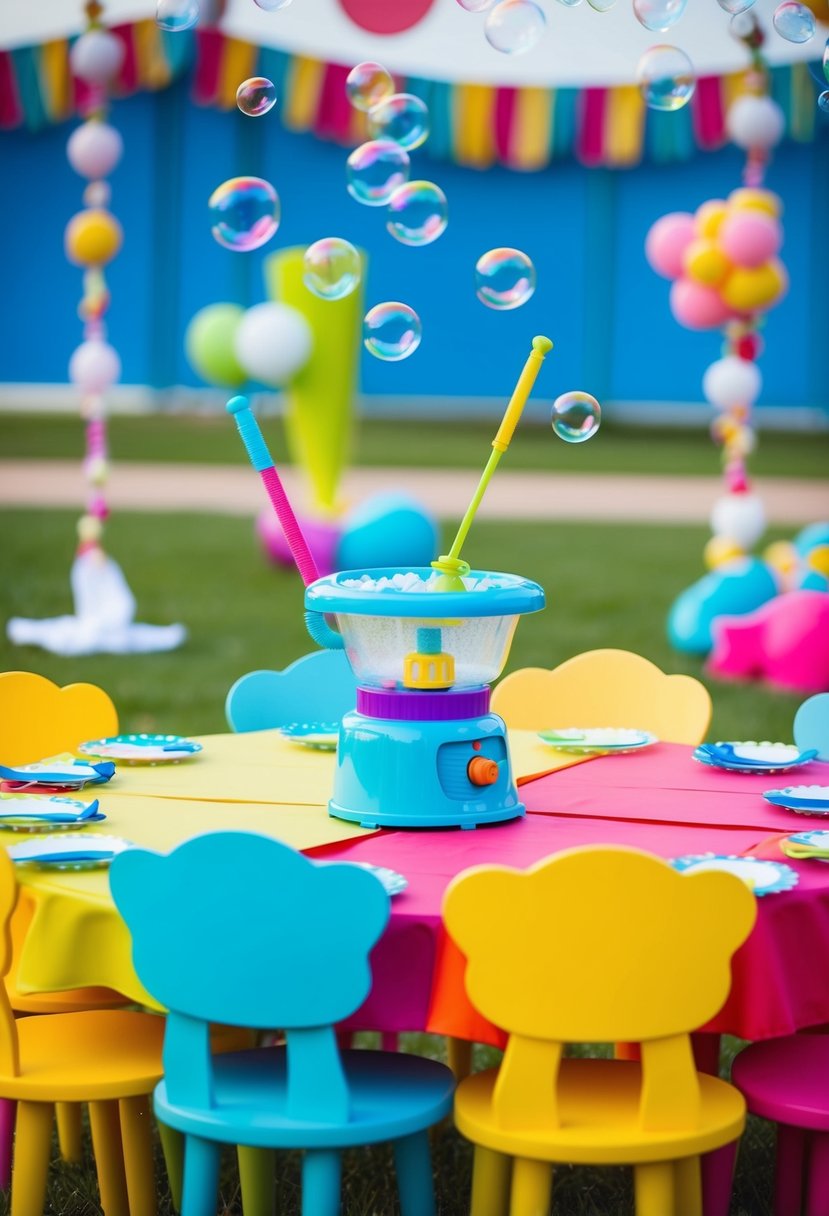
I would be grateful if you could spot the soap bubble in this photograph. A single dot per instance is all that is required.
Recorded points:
(569, 3)
(375, 170)
(735, 6)
(271, 6)
(245, 213)
(367, 84)
(601, 6)
(504, 279)
(332, 268)
(793, 21)
(256, 96)
(659, 14)
(476, 6)
(176, 15)
(826, 61)
(514, 26)
(403, 118)
(391, 331)
(823, 101)
(666, 78)
(418, 213)
(576, 416)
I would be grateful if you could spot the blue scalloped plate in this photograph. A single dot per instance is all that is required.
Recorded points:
(816, 839)
(39, 813)
(764, 877)
(319, 736)
(142, 749)
(752, 757)
(804, 799)
(56, 772)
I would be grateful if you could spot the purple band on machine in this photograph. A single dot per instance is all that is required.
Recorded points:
(404, 705)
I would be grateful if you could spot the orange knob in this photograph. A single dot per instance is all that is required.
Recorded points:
(481, 771)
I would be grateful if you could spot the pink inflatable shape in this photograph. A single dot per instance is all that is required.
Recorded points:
(322, 538)
(786, 643)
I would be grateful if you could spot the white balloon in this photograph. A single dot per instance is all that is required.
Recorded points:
(732, 381)
(755, 122)
(740, 517)
(97, 56)
(94, 366)
(94, 149)
(273, 342)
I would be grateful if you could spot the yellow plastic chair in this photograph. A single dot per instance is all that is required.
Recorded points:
(605, 688)
(39, 719)
(596, 945)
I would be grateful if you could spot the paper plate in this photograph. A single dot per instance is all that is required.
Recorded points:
(59, 771)
(320, 736)
(393, 883)
(586, 740)
(816, 839)
(764, 877)
(40, 813)
(68, 852)
(142, 749)
(806, 799)
(752, 757)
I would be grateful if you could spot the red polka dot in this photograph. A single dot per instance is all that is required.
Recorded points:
(383, 17)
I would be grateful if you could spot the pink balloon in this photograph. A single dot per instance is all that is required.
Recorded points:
(750, 238)
(667, 241)
(696, 306)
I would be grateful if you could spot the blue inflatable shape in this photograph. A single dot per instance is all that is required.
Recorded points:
(732, 590)
(813, 580)
(811, 537)
(387, 530)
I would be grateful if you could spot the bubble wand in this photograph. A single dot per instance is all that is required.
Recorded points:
(451, 565)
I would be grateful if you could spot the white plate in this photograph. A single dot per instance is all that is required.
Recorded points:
(766, 753)
(40, 813)
(68, 852)
(58, 772)
(393, 882)
(816, 839)
(319, 736)
(142, 749)
(596, 739)
(764, 877)
(806, 799)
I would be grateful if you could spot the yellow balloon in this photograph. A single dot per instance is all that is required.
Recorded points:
(752, 290)
(751, 199)
(781, 556)
(705, 262)
(92, 238)
(710, 216)
(818, 559)
(719, 550)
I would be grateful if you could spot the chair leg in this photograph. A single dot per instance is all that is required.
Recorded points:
(654, 1188)
(491, 1174)
(109, 1157)
(200, 1187)
(688, 1185)
(532, 1183)
(257, 1174)
(817, 1178)
(8, 1111)
(32, 1149)
(789, 1166)
(717, 1169)
(415, 1184)
(172, 1145)
(459, 1058)
(137, 1137)
(70, 1130)
(321, 1174)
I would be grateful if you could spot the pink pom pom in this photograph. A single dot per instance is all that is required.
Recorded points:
(750, 238)
(696, 306)
(667, 241)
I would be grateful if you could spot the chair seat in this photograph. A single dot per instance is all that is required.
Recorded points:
(73, 1000)
(393, 1095)
(787, 1079)
(84, 1057)
(599, 1115)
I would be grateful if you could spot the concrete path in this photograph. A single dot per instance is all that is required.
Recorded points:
(235, 490)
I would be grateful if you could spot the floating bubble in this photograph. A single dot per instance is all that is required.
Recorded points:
(735, 6)
(403, 118)
(513, 27)
(332, 268)
(576, 416)
(256, 96)
(476, 6)
(176, 15)
(271, 6)
(601, 6)
(569, 3)
(418, 213)
(659, 14)
(367, 84)
(793, 21)
(823, 101)
(666, 78)
(391, 331)
(244, 212)
(504, 278)
(826, 61)
(375, 170)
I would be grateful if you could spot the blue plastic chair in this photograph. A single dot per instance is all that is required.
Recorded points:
(811, 725)
(289, 949)
(319, 687)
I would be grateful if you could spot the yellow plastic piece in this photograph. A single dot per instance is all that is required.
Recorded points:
(428, 670)
(614, 970)
(39, 719)
(605, 688)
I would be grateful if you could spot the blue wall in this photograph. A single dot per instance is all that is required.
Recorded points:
(584, 229)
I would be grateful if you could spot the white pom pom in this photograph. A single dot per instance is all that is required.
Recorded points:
(94, 366)
(755, 122)
(94, 149)
(732, 381)
(96, 57)
(740, 517)
(273, 342)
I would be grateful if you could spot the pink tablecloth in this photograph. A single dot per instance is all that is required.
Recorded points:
(659, 800)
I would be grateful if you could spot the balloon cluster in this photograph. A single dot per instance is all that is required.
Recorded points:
(228, 345)
(801, 564)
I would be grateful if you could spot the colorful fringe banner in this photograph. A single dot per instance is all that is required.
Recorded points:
(472, 124)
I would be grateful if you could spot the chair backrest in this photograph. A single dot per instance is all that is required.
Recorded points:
(39, 719)
(811, 725)
(605, 688)
(319, 687)
(240, 929)
(598, 944)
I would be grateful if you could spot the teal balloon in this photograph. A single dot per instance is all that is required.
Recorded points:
(387, 530)
(209, 345)
(731, 590)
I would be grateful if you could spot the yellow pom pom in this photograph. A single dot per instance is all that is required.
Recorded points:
(90, 529)
(719, 550)
(705, 262)
(818, 559)
(748, 199)
(92, 238)
(709, 217)
(753, 290)
(781, 556)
